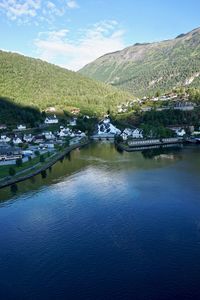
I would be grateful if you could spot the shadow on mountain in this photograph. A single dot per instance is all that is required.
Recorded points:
(12, 113)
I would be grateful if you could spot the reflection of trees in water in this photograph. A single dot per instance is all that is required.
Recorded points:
(50, 169)
(44, 174)
(120, 151)
(61, 159)
(151, 153)
(14, 188)
(68, 156)
(32, 179)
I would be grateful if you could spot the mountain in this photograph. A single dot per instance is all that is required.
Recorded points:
(146, 68)
(34, 83)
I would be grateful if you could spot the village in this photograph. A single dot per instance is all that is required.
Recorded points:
(23, 144)
(167, 101)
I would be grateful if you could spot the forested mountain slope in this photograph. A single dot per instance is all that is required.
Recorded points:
(35, 83)
(144, 69)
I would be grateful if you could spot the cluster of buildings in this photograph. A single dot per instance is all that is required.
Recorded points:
(106, 130)
(8, 152)
(135, 133)
(12, 145)
(173, 100)
(123, 108)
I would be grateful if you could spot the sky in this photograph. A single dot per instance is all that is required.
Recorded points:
(72, 33)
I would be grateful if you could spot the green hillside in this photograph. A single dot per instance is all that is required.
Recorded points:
(144, 69)
(38, 84)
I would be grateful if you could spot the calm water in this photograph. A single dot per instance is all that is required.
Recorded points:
(104, 225)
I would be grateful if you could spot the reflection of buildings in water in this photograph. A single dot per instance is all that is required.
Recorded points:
(157, 151)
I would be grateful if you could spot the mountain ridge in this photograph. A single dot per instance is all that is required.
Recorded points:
(146, 67)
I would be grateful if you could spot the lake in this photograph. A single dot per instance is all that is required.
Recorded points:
(101, 224)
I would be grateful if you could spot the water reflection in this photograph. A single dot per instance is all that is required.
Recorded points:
(104, 225)
(14, 188)
(104, 157)
(158, 151)
(44, 174)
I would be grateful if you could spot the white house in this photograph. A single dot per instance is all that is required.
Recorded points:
(17, 141)
(21, 127)
(86, 117)
(51, 120)
(27, 152)
(137, 133)
(79, 133)
(5, 139)
(49, 135)
(65, 132)
(73, 122)
(106, 127)
(3, 126)
(38, 139)
(180, 132)
(132, 133)
(49, 145)
(28, 138)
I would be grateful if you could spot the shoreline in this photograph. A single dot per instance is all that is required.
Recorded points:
(6, 183)
(122, 147)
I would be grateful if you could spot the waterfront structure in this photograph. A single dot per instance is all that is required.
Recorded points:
(164, 141)
(106, 127)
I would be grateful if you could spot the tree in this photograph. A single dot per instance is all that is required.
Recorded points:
(12, 171)
(118, 139)
(43, 114)
(19, 162)
(157, 94)
(37, 153)
(42, 158)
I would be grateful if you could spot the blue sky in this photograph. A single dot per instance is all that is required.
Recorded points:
(71, 33)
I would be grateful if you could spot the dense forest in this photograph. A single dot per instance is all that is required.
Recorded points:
(37, 84)
(12, 114)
